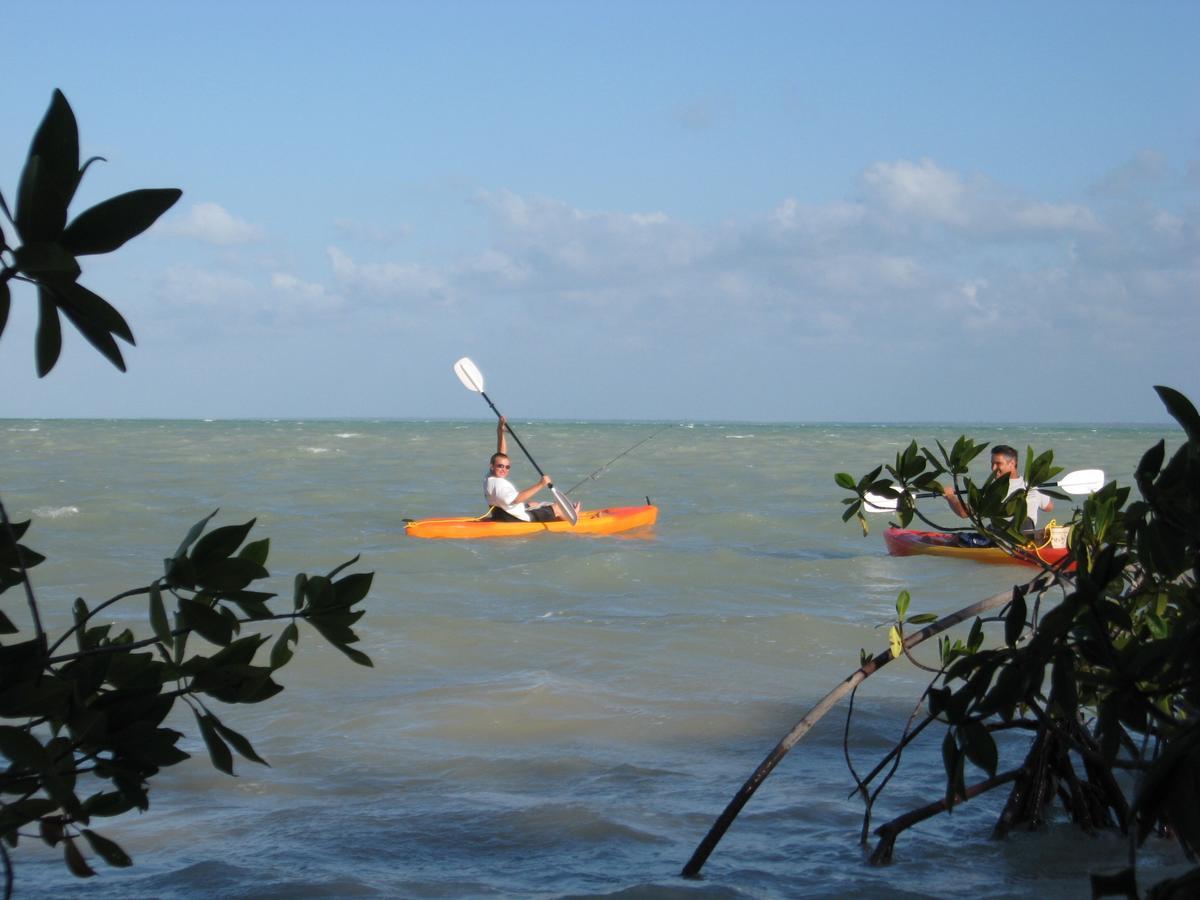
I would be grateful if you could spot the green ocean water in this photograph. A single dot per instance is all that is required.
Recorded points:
(547, 716)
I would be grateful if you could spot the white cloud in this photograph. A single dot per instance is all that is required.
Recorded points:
(388, 281)
(919, 191)
(296, 295)
(908, 196)
(212, 224)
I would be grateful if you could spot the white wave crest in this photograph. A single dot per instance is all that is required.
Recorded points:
(55, 512)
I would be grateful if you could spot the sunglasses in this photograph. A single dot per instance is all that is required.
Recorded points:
(501, 465)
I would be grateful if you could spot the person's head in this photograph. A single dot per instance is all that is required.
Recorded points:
(500, 464)
(1004, 461)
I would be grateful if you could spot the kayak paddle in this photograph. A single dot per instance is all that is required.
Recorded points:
(1083, 481)
(468, 373)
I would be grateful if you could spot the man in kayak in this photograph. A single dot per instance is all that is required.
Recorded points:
(1004, 463)
(507, 503)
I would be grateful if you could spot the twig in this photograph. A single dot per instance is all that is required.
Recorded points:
(889, 831)
(814, 715)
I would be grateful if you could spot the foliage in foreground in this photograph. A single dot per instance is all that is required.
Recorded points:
(84, 714)
(1095, 661)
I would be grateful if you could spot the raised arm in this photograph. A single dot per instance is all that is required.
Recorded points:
(502, 436)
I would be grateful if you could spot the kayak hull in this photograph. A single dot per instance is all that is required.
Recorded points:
(908, 542)
(592, 521)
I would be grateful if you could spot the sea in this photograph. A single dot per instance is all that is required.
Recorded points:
(552, 716)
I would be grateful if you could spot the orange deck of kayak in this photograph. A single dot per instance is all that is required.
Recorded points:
(592, 521)
(906, 542)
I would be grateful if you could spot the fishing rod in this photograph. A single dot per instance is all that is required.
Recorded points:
(604, 468)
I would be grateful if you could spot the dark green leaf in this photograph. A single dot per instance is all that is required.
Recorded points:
(56, 142)
(93, 307)
(5, 304)
(108, 803)
(6, 625)
(180, 573)
(240, 744)
(333, 574)
(952, 763)
(21, 747)
(923, 619)
(319, 591)
(45, 259)
(353, 588)
(231, 574)
(299, 585)
(845, 480)
(1182, 410)
(107, 850)
(979, 746)
(218, 751)
(1014, 623)
(75, 861)
(206, 621)
(220, 543)
(41, 206)
(25, 811)
(158, 616)
(108, 225)
(281, 653)
(49, 335)
(257, 551)
(97, 335)
(356, 656)
(194, 532)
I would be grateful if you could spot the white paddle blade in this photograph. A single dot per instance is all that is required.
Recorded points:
(565, 504)
(468, 373)
(1085, 481)
(874, 503)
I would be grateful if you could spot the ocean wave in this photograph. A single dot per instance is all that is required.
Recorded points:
(348, 434)
(55, 512)
(316, 449)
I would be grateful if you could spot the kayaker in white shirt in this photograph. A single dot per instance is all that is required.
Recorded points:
(1004, 462)
(509, 504)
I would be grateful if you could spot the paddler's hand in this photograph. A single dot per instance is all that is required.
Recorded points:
(547, 481)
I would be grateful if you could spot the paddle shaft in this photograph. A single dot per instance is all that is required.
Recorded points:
(924, 495)
(514, 434)
(1084, 481)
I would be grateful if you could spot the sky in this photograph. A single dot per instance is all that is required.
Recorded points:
(672, 211)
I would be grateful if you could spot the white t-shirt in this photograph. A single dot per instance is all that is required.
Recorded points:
(500, 493)
(1034, 500)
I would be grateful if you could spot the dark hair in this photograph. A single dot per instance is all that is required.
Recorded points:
(1006, 451)
(496, 456)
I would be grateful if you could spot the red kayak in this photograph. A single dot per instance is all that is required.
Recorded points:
(907, 542)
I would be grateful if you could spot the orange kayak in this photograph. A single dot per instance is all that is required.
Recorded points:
(906, 542)
(591, 521)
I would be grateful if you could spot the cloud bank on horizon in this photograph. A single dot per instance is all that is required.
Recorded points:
(942, 285)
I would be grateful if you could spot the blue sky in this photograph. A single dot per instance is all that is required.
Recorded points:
(658, 210)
